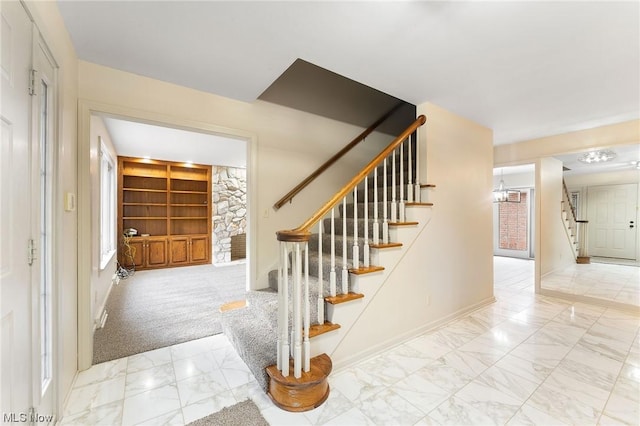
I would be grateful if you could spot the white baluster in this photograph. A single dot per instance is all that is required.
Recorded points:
(297, 314)
(320, 275)
(280, 307)
(417, 185)
(394, 204)
(332, 274)
(410, 180)
(345, 271)
(376, 225)
(366, 223)
(306, 346)
(284, 312)
(385, 207)
(356, 245)
(401, 203)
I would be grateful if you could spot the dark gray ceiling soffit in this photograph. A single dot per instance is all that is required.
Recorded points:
(310, 88)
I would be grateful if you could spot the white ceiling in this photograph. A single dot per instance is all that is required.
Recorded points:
(132, 139)
(524, 69)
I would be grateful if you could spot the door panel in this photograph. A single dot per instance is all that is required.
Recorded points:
(199, 249)
(15, 274)
(157, 252)
(611, 210)
(179, 247)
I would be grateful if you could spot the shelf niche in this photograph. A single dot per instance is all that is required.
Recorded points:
(164, 200)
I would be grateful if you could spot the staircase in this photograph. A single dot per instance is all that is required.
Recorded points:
(330, 268)
(576, 229)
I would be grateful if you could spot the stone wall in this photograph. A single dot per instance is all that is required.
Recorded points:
(229, 209)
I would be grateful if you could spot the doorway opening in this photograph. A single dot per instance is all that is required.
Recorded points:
(514, 229)
(513, 219)
(226, 161)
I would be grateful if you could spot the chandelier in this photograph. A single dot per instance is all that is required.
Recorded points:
(599, 156)
(503, 195)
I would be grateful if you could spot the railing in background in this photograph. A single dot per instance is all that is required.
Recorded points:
(578, 228)
(293, 271)
(289, 196)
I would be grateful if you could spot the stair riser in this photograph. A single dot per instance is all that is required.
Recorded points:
(326, 246)
(381, 193)
(313, 284)
(405, 174)
(360, 210)
(361, 234)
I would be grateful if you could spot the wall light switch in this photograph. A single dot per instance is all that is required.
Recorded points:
(69, 202)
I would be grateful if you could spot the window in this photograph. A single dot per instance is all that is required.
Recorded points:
(107, 206)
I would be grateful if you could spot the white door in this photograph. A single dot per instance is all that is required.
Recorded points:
(26, 313)
(613, 222)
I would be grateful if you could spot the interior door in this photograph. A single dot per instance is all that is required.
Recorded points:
(15, 272)
(27, 312)
(613, 222)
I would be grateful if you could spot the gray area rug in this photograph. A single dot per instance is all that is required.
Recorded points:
(243, 413)
(163, 307)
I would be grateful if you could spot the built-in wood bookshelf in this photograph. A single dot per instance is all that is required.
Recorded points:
(169, 206)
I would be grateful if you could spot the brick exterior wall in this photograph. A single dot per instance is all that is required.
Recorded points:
(513, 220)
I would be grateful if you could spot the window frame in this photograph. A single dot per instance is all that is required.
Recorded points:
(107, 205)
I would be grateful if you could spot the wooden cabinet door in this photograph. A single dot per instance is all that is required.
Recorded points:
(156, 252)
(137, 254)
(199, 248)
(179, 250)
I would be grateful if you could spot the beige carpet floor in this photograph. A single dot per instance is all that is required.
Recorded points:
(163, 307)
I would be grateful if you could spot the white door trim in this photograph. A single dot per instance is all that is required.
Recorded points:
(85, 109)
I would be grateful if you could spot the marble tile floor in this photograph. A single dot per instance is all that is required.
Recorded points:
(619, 283)
(525, 359)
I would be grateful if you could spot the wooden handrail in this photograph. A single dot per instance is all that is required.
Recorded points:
(299, 187)
(302, 232)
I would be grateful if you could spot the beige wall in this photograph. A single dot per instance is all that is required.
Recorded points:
(49, 21)
(554, 249)
(529, 151)
(100, 279)
(607, 178)
(450, 266)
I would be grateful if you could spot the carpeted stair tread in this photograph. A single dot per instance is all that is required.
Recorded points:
(255, 345)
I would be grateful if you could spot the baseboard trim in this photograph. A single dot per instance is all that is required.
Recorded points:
(339, 365)
(101, 318)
